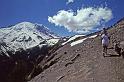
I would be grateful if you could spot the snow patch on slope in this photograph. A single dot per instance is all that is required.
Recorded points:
(82, 40)
(77, 42)
(52, 42)
(93, 36)
(72, 38)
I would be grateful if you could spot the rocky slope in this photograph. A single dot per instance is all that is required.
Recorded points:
(82, 61)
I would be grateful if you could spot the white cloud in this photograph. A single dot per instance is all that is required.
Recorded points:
(70, 1)
(84, 20)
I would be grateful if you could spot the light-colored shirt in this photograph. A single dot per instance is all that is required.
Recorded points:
(105, 39)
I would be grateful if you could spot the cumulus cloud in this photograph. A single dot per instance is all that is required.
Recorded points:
(83, 20)
(70, 1)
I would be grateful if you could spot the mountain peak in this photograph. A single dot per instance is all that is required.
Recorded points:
(24, 25)
(30, 26)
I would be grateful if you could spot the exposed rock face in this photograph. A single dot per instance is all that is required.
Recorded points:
(84, 62)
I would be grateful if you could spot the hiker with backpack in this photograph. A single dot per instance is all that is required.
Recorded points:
(105, 41)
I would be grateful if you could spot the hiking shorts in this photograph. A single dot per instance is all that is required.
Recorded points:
(105, 45)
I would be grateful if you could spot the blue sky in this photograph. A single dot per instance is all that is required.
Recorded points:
(61, 16)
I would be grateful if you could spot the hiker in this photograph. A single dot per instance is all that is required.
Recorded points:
(105, 41)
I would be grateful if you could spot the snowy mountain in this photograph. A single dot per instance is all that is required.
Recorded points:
(25, 35)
